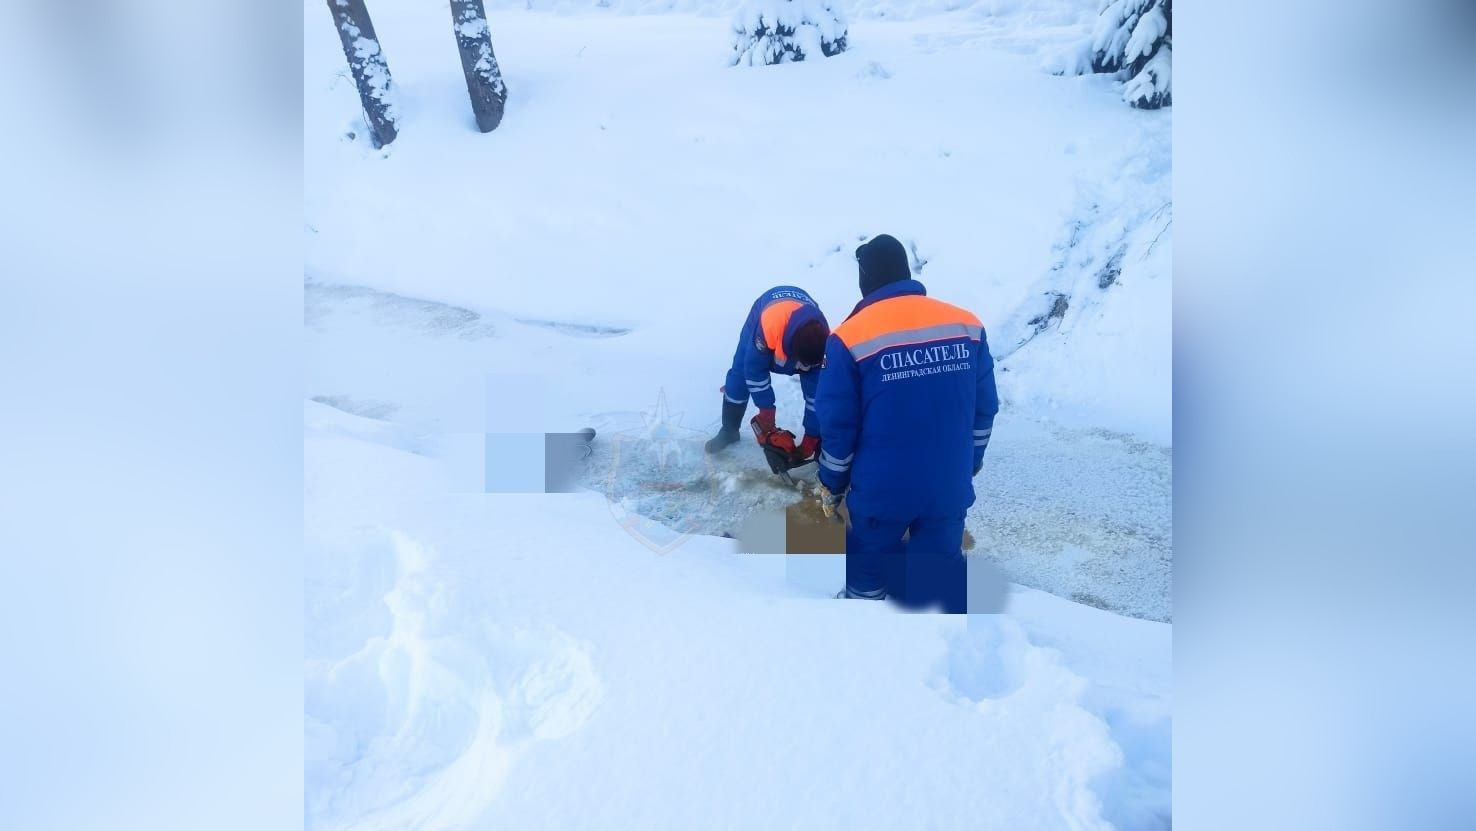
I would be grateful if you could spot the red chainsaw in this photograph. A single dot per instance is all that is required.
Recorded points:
(779, 450)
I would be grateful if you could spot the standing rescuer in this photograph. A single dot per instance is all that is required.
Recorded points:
(784, 333)
(906, 404)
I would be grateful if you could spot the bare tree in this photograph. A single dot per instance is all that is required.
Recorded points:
(483, 77)
(366, 61)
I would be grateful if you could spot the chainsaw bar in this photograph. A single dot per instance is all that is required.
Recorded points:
(781, 463)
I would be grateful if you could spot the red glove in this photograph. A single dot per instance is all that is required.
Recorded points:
(810, 446)
(763, 424)
(781, 440)
(768, 435)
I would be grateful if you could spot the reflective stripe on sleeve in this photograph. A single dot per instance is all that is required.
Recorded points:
(836, 464)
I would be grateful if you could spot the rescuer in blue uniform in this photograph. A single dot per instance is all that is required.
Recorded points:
(784, 333)
(906, 405)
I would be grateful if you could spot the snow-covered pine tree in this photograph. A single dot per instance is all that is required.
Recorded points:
(483, 76)
(780, 31)
(1134, 39)
(366, 62)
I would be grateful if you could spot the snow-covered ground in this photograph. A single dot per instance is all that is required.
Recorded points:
(519, 661)
(484, 660)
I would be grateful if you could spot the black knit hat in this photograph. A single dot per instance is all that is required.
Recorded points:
(881, 261)
(807, 345)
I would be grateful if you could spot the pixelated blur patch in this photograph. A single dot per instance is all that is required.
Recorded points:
(762, 532)
(808, 531)
(564, 458)
(989, 592)
(535, 462)
(801, 528)
(514, 463)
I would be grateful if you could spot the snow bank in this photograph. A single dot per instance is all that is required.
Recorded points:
(1093, 347)
(475, 660)
(417, 725)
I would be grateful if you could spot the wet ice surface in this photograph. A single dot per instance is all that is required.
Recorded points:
(389, 310)
(1085, 515)
(669, 478)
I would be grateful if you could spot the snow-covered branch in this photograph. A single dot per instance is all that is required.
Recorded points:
(1134, 40)
(781, 31)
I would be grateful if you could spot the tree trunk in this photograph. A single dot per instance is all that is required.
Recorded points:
(366, 61)
(483, 77)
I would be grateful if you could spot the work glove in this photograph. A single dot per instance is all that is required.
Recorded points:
(829, 502)
(810, 446)
(782, 440)
(768, 435)
(763, 424)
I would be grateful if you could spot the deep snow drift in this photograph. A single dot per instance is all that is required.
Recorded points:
(483, 660)
(519, 661)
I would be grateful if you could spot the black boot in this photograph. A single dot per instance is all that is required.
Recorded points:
(732, 418)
